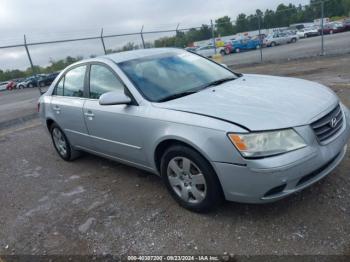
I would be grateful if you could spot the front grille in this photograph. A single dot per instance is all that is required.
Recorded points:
(329, 125)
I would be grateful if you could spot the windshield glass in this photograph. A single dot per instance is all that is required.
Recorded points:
(166, 75)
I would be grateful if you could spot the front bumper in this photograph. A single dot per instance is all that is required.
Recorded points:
(270, 179)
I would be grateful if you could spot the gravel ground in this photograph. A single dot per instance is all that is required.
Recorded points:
(95, 206)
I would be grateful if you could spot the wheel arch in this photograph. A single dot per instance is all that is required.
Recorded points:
(165, 143)
(49, 122)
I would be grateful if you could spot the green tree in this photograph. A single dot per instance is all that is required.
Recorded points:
(223, 26)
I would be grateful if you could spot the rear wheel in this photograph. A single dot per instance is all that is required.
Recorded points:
(61, 144)
(190, 179)
(237, 50)
(273, 44)
(294, 40)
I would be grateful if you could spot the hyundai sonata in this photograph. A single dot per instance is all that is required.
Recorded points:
(210, 133)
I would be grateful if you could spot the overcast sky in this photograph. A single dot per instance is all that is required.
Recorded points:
(45, 20)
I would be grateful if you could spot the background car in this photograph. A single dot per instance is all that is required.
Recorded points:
(47, 80)
(209, 51)
(3, 85)
(308, 32)
(236, 46)
(346, 24)
(280, 38)
(332, 28)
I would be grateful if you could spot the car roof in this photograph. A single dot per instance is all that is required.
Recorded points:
(140, 53)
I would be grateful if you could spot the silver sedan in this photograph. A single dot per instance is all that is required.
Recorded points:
(210, 133)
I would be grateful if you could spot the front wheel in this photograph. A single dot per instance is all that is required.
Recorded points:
(190, 179)
(273, 44)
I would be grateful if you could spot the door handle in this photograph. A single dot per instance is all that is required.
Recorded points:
(89, 115)
(57, 109)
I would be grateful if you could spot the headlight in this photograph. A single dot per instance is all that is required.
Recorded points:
(269, 143)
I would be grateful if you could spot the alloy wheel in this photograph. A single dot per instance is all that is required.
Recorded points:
(187, 180)
(60, 141)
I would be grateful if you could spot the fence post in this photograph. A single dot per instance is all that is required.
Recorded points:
(322, 26)
(103, 42)
(260, 39)
(212, 34)
(31, 64)
(176, 32)
(143, 41)
(28, 54)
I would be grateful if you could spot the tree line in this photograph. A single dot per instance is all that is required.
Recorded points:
(283, 16)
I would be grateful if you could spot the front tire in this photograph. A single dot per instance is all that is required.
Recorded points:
(190, 179)
(61, 144)
(273, 44)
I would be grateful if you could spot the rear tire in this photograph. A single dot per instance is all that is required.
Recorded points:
(237, 50)
(273, 44)
(190, 179)
(61, 144)
(294, 40)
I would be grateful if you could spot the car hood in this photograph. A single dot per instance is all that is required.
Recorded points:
(259, 102)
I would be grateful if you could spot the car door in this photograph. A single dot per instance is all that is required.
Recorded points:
(67, 106)
(114, 129)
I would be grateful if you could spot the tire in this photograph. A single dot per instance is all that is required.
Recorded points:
(61, 144)
(237, 50)
(227, 51)
(222, 52)
(294, 40)
(305, 36)
(30, 85)
(195, 192)
(258, 47)
(273, 44)
(331, 32)
(20, 87)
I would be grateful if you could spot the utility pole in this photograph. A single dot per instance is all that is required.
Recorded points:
(212, 34)
(322, 26)
(260, 39)
(103, 42)
(143, 41)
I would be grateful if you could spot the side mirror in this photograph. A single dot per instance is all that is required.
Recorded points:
(114, 98)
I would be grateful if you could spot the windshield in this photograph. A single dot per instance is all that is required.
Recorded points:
(167, 75)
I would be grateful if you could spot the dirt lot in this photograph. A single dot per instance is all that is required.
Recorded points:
(95, 206)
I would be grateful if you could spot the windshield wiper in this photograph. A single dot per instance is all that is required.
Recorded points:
(177, 95)
(218, 82)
